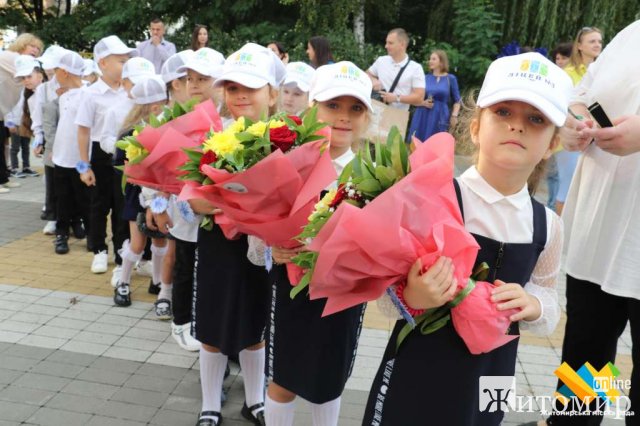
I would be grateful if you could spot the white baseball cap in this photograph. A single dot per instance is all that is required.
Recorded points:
(531, 78)
(50, 57)
(253, 66)
(300, 74)
(90, 67)
(71, 62)
(205, 61)
(25, 64)
(149, 89)
(341, 79)
(136, 68)
(111, 45)
(170, 67)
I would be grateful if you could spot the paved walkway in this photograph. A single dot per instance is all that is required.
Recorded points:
(68, 356)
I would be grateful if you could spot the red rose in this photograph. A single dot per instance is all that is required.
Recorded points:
(207, 158)
(340, 195)
(282, 138)
(296, 119)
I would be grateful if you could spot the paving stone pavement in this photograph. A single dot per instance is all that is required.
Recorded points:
(69, 357)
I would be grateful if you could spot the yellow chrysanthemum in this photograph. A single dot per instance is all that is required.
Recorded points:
(223, 143)
(135, 133)
(132, 152)
(323, 205)
(237, 126)
(274, 124)
(257, 129)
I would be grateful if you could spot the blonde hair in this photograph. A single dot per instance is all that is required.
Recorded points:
(576, 56)
(465, 146)
(138, 114)
(25, 40)
(444, 59)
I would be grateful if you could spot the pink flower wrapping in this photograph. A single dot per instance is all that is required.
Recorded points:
(364, 251)
(159, 170)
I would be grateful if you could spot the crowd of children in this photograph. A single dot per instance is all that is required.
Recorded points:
(225, 306)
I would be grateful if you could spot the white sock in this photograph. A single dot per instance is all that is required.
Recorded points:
(212, 366)
(129, 259)
(326, 414)
(165, 291)
(252, 365)
(157, 259)
(279, 413)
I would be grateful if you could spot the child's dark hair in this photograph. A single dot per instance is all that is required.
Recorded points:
(464, 145)
(563, 48)
(322, 50)
(26, 114)
(282, 52)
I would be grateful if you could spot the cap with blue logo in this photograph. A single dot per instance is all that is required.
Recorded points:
(253, 66)
(341, 79)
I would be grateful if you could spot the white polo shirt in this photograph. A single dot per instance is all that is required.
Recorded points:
(95, 104)
(113, 124)
(65, 147)
(386, 70)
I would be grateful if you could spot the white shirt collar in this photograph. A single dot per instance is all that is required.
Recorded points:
(341, 162)
(401, 63)
(103, 87)
(488, 193)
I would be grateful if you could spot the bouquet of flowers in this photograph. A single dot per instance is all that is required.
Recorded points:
(155, 150)
(265, 176)
(388, 211)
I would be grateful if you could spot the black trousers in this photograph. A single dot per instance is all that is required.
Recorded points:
(595, 321)
(4, 173)
(106, 197)
(50, 208)
(183, 276)
(72, 199)
(19, 144)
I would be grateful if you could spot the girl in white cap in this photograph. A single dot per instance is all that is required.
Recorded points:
(309, 355)
(231, 295)
(149, 96)
(294, 95)
(522, 104)
(203, 68)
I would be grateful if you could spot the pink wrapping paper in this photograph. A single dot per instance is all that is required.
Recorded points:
(159, 170)
(482, 327)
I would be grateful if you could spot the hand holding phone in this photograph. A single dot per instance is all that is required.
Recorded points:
(599, 115)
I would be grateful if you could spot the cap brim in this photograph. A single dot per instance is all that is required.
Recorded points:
(127, 51)
(246, 80)
(72, 71)
(302, 86)
(169, 77)
(135, 79)
(549, 110)
(335, 92)
(150, 99)
(199, 68)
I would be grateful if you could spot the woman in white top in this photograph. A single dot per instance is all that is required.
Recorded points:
(601, 217)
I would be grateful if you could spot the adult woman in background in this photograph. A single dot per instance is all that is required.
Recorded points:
(200, 37)
(441, 87)
(586, 48)
(319, 51)
(278, 48)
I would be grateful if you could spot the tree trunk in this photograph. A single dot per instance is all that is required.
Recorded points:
(358, 24)
(67, 9)
(38, 8)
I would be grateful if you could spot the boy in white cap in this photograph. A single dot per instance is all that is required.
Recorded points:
(30, 74)
(91, 72)
(95, 167)
(177, 80)
(203, 68)
(43, 125)
(72, 198)
(294, 95)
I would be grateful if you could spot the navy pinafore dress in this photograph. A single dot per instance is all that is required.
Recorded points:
(433, 379)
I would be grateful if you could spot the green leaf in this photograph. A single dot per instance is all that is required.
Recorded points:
(153, 121)
(370, 186)
(386, 175)
(303, 284)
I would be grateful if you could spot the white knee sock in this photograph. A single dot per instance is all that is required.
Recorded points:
(212, 366)
(279, 413)
(129, 259)
(165, 291)
(252, 365)
(326, 414)
(157, 259)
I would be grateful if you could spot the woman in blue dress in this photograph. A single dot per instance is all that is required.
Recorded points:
(433, 115)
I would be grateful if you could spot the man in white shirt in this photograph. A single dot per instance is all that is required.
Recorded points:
(156, 49)
(411, 85)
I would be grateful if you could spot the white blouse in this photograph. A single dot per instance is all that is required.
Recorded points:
(510, 219)
(603, 205)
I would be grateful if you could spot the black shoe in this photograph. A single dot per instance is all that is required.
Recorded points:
(28, 172)
(210, 418)
(44, 215)
(61, 245)
(154, 288)
(122, 295)
(258, 418)
(78, 230)
(17, 174)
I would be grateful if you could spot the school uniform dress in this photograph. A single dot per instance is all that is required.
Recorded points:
(230, 294)
(309, 355)
(433, 378)
(129, 199)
